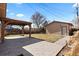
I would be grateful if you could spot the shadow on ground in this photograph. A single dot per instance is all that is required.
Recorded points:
(13, 47)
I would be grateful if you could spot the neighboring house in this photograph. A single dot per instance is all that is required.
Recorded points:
(58, 27)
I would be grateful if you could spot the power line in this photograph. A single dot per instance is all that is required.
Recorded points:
(60, 15)
(62, 12)
(34, 9)
(60, 9)
(47, 9)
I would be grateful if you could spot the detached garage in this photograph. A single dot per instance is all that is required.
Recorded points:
(58, 27)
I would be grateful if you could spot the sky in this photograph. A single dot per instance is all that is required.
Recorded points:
(52, 11)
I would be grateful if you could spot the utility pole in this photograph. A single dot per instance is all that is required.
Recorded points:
(77, 10)
(77, 15)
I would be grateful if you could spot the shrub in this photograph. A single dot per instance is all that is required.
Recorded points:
(71, 31)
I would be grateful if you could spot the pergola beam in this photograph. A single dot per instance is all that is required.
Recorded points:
(7, 21)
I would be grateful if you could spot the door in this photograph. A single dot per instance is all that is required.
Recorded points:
(64, 30)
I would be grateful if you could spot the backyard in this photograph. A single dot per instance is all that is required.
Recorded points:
(37, 45)
(51, 36)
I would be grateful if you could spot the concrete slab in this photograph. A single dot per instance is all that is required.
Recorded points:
(14, 37)
(62, 41)
(45, 48)
(13, 47)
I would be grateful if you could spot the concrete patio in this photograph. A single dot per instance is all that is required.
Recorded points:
(30, 47)
(13, 47)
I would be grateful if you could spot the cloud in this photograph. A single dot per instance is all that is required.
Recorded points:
(7, 10)
(19, 3)
(75, 5)
(11, 13)
(19, 15)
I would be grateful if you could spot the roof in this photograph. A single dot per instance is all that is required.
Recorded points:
(14, 22)
(60, 22)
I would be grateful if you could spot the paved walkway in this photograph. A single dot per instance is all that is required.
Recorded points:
(44, 48)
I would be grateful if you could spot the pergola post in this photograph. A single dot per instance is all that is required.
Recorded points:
(23, 30)
(2, 31)
(30, 31)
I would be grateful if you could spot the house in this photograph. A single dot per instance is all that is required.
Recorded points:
(58, 27)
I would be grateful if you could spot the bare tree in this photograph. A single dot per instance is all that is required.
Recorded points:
(39, 20)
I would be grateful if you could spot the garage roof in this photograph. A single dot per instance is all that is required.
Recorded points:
(60, 22)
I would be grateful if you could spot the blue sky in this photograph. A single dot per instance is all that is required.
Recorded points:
(52, 11)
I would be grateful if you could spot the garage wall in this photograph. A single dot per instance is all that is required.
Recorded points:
(52, 28)
(58, 28)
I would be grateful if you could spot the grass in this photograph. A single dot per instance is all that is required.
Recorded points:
(47, 37)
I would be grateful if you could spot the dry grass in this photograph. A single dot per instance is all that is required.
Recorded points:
(74, 43)
(47, 37)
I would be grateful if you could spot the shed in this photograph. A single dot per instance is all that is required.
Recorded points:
(58, 27)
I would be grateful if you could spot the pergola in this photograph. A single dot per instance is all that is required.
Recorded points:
(8, 21)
